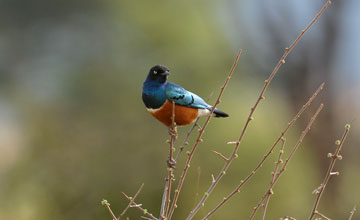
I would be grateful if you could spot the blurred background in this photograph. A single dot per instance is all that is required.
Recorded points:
(74, 130)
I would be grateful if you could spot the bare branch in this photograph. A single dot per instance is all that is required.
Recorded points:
(165, 204)
(352, 213)
(220, 155)
(237, 189)
(242, 183)
(185, 142)
(138, 206)
(292, 153)
(321, 215)
(107, 205)
(270, 190)
(330, 170)
(191, 153)
(133, 199)
(250, 117)
(288, 218)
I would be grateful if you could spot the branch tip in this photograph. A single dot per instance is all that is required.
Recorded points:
(220, 155)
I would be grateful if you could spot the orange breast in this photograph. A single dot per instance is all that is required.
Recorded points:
(183, 115)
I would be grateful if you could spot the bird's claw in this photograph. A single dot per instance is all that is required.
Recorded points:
(171, 163)
(173, 131)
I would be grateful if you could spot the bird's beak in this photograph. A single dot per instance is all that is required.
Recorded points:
(166, 73)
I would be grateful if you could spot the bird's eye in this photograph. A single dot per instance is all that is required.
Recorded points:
(155, 72)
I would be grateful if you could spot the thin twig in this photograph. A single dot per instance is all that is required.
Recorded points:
(165, 204)
(292, 153)
(352, 213)
(330, 170)
(243, 182)
(138, 206)
(133, 199)
(289, 218)
(107, 205)
(303, 134)
(162, 208)
(191, 153)
(250, 118)
(237, 189)
(322, 215)
(270, 190)
(220, 155)
(185, 142)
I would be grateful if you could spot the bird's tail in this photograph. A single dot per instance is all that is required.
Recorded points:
(218, 113)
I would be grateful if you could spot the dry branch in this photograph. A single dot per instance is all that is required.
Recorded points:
(107, 205)
(191, 153)
(250, 117)
(321, 215)
(288, 218)
(270, 190)
(167, 208)
(165, 204)
(133, 199)
(352, 213)
(301, 111)
(237, 189)
(185, 142)
(292, 153)
(138, 206)
(333, 157)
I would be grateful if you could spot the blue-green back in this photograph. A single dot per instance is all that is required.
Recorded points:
(183, 97)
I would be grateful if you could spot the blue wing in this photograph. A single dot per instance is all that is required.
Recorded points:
(180, 96)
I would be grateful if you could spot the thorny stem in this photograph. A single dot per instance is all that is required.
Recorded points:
(292, 153)
(261, 97)
(270, 192)
(328, 173)
(138, 206)
(133, 199)
(167, 190)
(243, 182)
(352, 213)
(191, 153)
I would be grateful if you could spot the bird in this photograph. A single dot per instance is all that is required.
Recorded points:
(158, 95)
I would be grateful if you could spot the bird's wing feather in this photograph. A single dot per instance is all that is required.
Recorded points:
(182, 97)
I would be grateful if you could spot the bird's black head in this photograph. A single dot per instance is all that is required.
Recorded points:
(159, 73)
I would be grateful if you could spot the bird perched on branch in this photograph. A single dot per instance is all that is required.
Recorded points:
(158, 95)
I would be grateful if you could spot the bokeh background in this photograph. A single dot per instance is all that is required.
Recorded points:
(73, 128)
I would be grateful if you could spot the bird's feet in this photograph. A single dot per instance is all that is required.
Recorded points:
(173, 131)
(171, 163)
